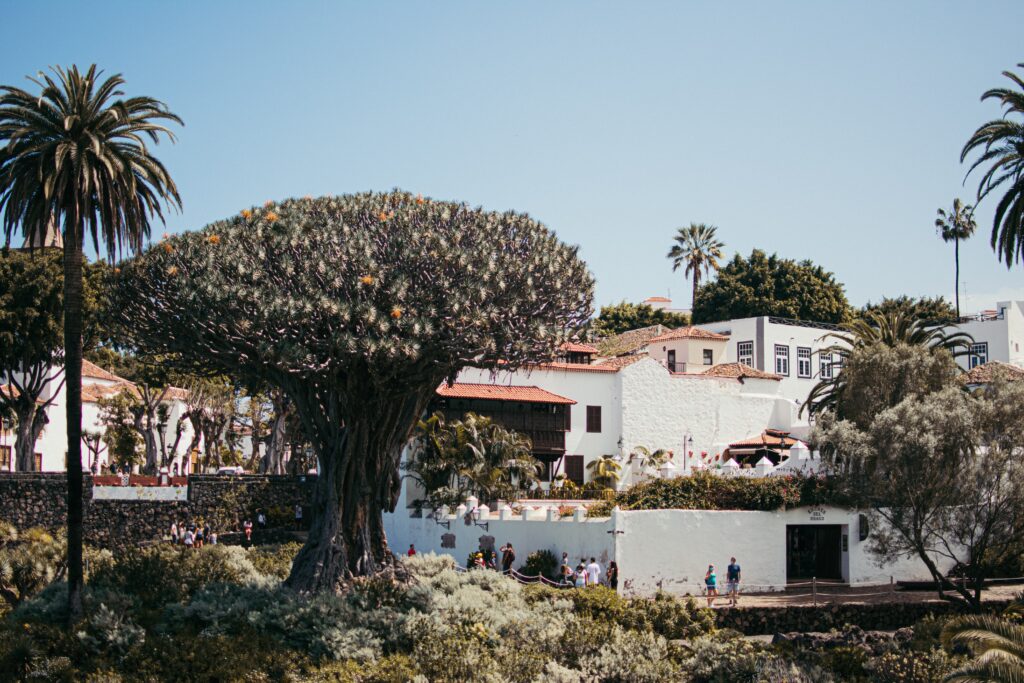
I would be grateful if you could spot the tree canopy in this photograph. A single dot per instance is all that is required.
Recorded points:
(357, 307)
(625, 316)
(770, 285)
(924, 308)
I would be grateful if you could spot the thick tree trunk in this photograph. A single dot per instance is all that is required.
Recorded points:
(358, 482)
(25, 439)
(273, 461)
(73, 398)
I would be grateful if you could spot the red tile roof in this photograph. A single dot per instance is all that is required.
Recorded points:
(576, 347)
(501, 392)
(91, 393)
(96, 372)
(690, 333)
(767, 438)
(658, 298)
(737, 370)
(984, 374)
(575, 367)
(620, 362)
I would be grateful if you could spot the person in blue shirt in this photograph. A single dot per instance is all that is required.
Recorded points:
(732, 577)
(711, 584)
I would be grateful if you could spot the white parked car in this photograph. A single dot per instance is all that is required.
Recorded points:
(237, 469)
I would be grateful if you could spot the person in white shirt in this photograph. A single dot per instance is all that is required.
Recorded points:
(593, 572)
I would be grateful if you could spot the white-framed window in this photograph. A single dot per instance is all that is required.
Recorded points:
(803, 362)
(745, 353)
(782, 360)
(825, 365)
(709, 357)
(979, 354)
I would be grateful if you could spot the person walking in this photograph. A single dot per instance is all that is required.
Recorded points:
(298, 516)
(732, 582)
(508, 556)
(189, 539)
(593, 573)
(174, 533)
(412, 550)
(711, 584)
(247, 525)
(565, 575)
(613, 575)
(581, 574)
(199, 537)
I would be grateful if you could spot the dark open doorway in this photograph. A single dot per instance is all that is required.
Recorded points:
(814, 550)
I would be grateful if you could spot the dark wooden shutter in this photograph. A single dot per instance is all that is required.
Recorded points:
(574, 469)
(568, 418)
(593, 418)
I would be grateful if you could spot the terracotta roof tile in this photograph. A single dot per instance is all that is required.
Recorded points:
(766, 438)
(983, 374)
(501, 392)
(737, 370)
(575, 367)
(629, 342)
(619, 362)
(576, 347)
(91, 393)
(96, 372)
(690, 333)
(660, 299)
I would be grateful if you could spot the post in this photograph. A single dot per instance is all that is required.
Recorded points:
(814, 590)
(892, 588)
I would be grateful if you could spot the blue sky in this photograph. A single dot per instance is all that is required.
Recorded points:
(828, 131)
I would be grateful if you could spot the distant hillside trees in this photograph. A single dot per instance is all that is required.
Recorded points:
(771, 285)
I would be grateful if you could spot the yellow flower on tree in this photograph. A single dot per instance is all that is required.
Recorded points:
(213, 239)
(382, 216)
(366, 279)
(396, 313)
(246, 214)
(168, 248)
(271, 216)
(173, 270)
(419, 199)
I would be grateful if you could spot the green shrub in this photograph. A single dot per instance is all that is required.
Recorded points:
(274, 560)
(911, 666)
(107, 633)
(725, 660)
(541, 562)
(29, 561)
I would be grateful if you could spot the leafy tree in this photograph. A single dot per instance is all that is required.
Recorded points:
(357, 307)
(31, 335)
(604, 471)
(932, 309)
(1001, 143)
(769, 285)
(697, 249)
(955, 225)
(471, 456)
(625, 316)
(120, 434)
(940, 474)
(893, 355)
(74, 157)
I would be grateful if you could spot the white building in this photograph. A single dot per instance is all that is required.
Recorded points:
(792, 349)
(998, 335)
(97, 383)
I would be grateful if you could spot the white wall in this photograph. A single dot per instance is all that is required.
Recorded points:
(1004, 336)
(661, 549)
(660, 409)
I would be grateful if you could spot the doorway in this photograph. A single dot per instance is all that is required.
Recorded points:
(814, 550)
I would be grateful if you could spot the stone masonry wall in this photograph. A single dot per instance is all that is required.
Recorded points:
(39, 499)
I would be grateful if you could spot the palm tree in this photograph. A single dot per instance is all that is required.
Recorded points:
(997, 645)
(75, 154)
(891, 328)
(953, 226)
(697, 249)
(605, 471)
(1001, 142)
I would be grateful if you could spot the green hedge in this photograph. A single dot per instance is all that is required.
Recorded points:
(706, 491)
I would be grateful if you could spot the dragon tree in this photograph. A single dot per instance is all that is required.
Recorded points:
(357, 307)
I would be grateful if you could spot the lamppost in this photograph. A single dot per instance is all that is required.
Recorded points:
(687, 449)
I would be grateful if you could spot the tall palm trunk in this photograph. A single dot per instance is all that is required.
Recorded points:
(696, 286)
(73, 393)
(956, 257)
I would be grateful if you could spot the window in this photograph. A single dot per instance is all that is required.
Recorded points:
(782, 360)
(593, 419)
(803, 362)
(574, 469)
(5, 458)
(979, 354)
(672, 360)
(825, 365)
(745, 353)
(709, 357)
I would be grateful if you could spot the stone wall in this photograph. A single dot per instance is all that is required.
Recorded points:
(887, 616)
(39, 499)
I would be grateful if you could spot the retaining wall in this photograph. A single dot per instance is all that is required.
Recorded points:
(40, 499)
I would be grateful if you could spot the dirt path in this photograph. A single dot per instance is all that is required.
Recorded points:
(864, 595)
